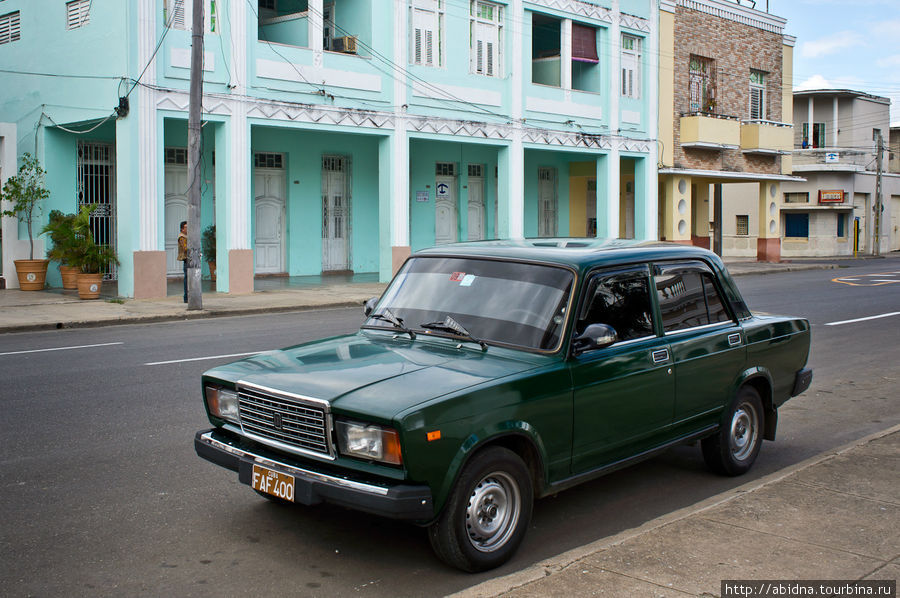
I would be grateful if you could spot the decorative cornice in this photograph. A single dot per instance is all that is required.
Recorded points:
(737, 13)
(443, 126)
(576, 7)
(634, 23)
(322, 115)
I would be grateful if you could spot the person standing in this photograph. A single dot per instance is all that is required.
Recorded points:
(182, 253)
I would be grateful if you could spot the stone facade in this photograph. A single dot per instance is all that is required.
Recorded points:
(736, 48)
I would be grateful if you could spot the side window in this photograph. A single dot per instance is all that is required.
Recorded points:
(621, 300)
(687, 299)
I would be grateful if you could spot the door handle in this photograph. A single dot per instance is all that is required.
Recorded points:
(734, 340)
(660, 356)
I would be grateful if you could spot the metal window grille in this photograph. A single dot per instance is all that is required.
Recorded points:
(743, 225)
(445, 168)
(78, 13)
(176, 155)
(10, 30)
(476, 170)
(268, 160)
(96, 187)
(333, 164)
(702, 83)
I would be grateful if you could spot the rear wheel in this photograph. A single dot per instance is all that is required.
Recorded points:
(487, 513)
(733, 449)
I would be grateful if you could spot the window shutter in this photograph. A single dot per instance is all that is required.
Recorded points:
(77, 13)
(9, 28)
(176, 16)
(756, 102)
(584, 43)
(424, 26)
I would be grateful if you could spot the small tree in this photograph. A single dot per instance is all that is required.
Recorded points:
(90, 257)
(26, 192)
(208, 243)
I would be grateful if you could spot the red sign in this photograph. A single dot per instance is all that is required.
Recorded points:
(831, 196)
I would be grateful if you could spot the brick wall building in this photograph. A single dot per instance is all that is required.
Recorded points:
(726, 70)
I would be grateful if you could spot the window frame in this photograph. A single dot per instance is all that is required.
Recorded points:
(418, 13)
(705, 272)
(792, 216)
(78, 14)
(704, 79)
(10, 27)
(758, 87)
(591, 281)
(492, 66)
(178, 14)
(630, 66)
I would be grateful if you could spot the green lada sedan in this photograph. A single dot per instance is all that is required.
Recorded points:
(489, 374)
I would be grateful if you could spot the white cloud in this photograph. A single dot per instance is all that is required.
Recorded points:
(889, 61)
(814, 82)
(831, 44)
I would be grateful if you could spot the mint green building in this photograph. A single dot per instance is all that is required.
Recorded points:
(339, 135)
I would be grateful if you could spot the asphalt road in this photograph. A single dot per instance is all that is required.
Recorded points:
(102, 494)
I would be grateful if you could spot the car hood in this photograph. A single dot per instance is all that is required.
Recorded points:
(375, 374)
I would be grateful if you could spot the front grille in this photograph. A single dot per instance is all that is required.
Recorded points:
(290, 421)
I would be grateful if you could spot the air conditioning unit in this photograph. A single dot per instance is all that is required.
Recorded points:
(345, 44)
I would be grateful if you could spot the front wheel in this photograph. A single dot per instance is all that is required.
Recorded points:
(487, 513)
(733, 449)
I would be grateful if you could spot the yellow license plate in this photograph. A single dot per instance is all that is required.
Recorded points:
(272, 482)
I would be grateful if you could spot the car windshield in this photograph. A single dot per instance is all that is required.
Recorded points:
(497, 302)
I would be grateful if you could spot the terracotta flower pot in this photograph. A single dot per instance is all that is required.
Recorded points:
(69, 277)
(89, 285)
(32, 274)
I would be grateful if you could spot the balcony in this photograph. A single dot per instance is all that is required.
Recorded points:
(710, 131)
(836, 159)
(766, 137)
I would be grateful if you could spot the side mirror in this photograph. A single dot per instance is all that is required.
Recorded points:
(595, 336)
(369, 306)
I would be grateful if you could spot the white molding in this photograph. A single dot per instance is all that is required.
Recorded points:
(635, 23)
(564, 108)
(454, 93)
(180, 58)
(298, 73)
(737, 13)
(576, 7)
(148, 157)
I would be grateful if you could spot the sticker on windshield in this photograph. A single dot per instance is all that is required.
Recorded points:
(467, 280)
(457, 276)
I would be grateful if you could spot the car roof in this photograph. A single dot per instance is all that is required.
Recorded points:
(578, 253)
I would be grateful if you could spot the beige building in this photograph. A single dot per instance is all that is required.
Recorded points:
(725, 78)
(831, 212)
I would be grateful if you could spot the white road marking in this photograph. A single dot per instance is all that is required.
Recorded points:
(893, 313)
(203, 358)
(60, 348)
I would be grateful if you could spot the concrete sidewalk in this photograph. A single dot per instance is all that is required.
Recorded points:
(22, 311)
(835, 516)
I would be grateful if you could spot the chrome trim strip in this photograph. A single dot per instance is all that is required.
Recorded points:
(287, 447)
(290, 469)
(325, 404)
(723, 325)
(660, 356)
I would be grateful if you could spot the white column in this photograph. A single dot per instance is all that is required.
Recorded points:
(809, 121)
(399, 234)
(238, 197)
(834, 126)
(515, 154)
(613, 196)
(149, 237)
(650, 229)
(315, 24)
(565, 54)
(615, 69)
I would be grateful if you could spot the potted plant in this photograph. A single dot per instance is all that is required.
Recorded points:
(61, 229)
(208, 248)
(90, 257)
(26, 192)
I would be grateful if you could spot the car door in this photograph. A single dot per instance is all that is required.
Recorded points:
(624, 393)
(706, 342)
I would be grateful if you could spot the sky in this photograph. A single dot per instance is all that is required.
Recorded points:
(844, 44)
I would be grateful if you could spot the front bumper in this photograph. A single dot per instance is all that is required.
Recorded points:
(397, 501)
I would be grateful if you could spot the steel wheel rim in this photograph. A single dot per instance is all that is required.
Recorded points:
(744, 431)
(493, 511)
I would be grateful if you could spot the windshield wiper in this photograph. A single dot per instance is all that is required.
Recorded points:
(451, 325)
(387, 315)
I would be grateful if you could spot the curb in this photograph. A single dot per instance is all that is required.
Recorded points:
(195, 315)
(500, 585)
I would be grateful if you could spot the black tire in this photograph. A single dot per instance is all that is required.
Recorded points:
(487, 513)
(732, 450)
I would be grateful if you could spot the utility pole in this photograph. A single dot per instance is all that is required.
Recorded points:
(879, 150)
(195, 294)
